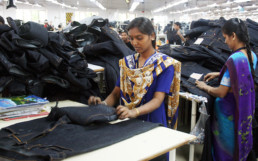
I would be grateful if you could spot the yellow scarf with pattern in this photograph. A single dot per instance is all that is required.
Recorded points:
(133, 83)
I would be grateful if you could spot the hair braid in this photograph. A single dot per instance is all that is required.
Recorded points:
(246, 40)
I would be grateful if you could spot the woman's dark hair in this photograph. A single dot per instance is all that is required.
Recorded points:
(178, 24)
(2, 19)
(144, 25)
(237, 26)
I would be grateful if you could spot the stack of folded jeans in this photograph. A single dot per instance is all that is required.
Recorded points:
(100, 45)
(252, 27)
(42, 63)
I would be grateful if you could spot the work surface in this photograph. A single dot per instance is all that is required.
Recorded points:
(144, 146)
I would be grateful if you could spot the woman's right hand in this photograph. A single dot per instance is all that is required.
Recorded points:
(93, 100)
(211, 76)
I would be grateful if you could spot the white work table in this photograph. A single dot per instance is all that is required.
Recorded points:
(96, 68)
(194, 99)
(144, 146)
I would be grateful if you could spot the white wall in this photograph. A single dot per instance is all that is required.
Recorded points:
(56, 14)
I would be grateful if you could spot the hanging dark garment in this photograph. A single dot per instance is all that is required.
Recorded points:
(106, 53)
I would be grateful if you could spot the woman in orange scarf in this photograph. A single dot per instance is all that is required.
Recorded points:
(145, 78)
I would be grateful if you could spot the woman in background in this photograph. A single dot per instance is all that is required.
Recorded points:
(234, 106)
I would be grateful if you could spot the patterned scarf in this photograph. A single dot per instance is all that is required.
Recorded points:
(135, 82)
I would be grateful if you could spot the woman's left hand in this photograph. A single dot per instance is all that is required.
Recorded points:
(200, 84)
(124, 112)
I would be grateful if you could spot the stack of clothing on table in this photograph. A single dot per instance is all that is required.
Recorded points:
(35, 61)
(106, 50)
(207, 52)
(67, 132)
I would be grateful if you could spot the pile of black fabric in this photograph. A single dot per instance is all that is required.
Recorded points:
(101, 46)
(209, 50)
(106, 50)
(67, 133)
(35, 61)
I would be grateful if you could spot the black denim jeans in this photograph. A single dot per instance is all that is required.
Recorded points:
(55, 140)
(187, 68)
(198, 53)
(84, 115)
(252, 27)
(106, 53)
(214, 38)
(34, 31)
(212, 23)
(196, 32)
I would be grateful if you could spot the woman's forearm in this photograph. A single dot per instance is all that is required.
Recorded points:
(153, 104)
(113, 98)
(220, 91)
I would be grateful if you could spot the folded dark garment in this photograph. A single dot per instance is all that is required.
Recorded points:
(99, 22)
(43, 140)
(86, 39)
(84, 115)
(55, 80)
(4, 28)
(4, 81)
(12, 24)
(34, 31)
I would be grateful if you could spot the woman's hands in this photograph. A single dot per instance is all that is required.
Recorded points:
(200, 84)
(94, 100)
(211, 76)
(124, 112)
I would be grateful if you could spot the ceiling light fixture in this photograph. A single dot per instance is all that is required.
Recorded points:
(28, 3)
(213, 5)
(241, 1)
(135, 4)
(98, 4)
(186, 10)
(169, 6)
(61, 4)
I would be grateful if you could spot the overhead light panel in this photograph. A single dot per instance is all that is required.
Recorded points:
(98, 4)
(28, 3)
(213, 5)
(169, 6)
(241, 1)
(135, 4)
(61, 4)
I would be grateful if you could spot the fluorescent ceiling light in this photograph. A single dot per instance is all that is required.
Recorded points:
(98, 4)
(186, 10)
(169, 6)
(227, 3)
(28, 3)
(240, 1)
(213, 5)
(134, 6)
(61, 4)
(226, 9)
(253, 6)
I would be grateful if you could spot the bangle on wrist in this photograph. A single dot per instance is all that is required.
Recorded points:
(104, 103)
(137, 112)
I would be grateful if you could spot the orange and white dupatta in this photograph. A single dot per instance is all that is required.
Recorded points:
(135, 82)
